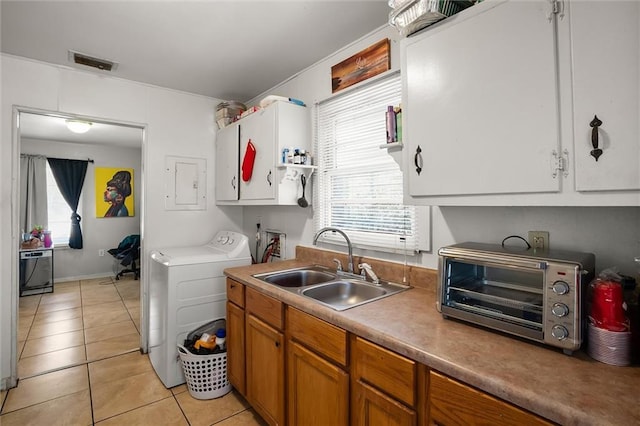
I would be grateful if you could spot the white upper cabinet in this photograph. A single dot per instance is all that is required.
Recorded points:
(498, 101)
(605, 38)
(228, 163)
(253, 161)
(482, 104)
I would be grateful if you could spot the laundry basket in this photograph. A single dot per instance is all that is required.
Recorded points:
(206, 375)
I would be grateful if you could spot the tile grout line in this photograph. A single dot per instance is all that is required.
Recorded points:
(86, 362)
(125, 306)
(4, 398)
(180, 407)
(137, 408)
(33, 320)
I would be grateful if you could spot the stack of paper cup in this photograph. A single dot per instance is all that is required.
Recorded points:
(610, 347)
(609, 334)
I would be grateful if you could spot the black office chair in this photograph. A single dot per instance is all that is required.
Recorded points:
(127, 254)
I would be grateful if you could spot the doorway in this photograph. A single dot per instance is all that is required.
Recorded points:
(107, 145)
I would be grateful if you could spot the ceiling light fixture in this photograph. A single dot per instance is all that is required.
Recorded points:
(77, 126)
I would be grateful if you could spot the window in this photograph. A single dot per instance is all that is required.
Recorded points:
(360, 186)
(59, 212)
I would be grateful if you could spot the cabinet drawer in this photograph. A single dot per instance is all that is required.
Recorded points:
(324, 338)
(388, 371)
(267, 308)
(235, 292)
(453, 403)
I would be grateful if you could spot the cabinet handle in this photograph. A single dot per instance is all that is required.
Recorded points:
(233, 182)
(595, 123)
(232, 286)
(277, 344)
(269, 178)
(417, 160)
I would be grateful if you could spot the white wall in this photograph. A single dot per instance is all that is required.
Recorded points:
(613, 234)
(176, 123)
(97, 232)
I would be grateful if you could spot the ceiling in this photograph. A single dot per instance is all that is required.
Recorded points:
(53, 128)
(231, 50)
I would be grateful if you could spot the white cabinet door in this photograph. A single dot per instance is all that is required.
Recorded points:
(259, 129)
(605, 37)
(227, 182)
(481, 102)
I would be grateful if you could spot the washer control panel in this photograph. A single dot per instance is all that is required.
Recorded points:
(234, 243)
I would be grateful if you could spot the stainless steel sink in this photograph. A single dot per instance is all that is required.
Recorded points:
(298, 277)
(337, 290)
(342, 295)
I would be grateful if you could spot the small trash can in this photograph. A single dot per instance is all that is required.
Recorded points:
(206, 375)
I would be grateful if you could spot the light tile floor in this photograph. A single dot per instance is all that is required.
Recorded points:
(79, 364)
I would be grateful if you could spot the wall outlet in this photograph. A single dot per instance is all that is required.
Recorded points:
(539, 239)
(101, 252)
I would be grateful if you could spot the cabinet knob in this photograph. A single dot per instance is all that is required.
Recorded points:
(417, 160)
(595, 123)
(277, 344)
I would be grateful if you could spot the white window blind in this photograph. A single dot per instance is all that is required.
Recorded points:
(359, 185)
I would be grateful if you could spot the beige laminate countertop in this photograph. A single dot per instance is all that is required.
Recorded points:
(570, 390)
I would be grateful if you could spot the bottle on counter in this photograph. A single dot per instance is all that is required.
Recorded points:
(391, 125)
(398, 111)
(221, 338)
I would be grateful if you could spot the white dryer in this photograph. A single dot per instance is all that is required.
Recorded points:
(188, 289)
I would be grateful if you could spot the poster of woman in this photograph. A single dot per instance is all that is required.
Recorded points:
(114, 192)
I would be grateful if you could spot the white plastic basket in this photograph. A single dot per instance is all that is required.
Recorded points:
(206, 375)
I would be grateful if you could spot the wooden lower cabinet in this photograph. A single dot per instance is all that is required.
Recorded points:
(372, 407)
(339, 379)
(451, 403)
(318, 391)
(265, 370)
(235, 347)
(383, 386)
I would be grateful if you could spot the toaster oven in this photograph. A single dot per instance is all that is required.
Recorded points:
(535, 294)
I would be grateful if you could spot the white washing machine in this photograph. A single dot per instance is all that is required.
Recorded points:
(188, 289)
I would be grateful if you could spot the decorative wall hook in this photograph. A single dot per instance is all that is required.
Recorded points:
(595, 123)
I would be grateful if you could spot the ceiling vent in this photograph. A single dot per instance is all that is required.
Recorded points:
(90, 61)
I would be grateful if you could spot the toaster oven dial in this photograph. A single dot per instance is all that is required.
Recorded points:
(560, 332)
(560, 287)
(560, 310)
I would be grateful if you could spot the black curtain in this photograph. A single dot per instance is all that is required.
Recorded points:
(69, 175)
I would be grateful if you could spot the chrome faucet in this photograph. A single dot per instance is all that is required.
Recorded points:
(349, 247)
(366, 269)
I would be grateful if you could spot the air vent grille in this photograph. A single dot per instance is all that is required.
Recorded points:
(89, 61)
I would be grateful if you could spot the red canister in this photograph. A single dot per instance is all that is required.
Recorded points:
(607, 307)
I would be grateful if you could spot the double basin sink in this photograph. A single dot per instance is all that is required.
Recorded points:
(337, 290)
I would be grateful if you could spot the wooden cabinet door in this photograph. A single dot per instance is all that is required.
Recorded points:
(228, 163)
(605, 40)
(259, 128)
(371, 407)
(451, 403)
(318, 391)
(481, 102)
(235, 347)
(265, 370)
